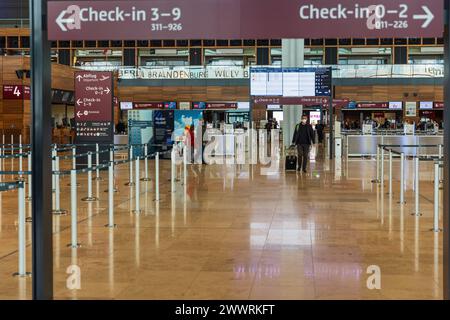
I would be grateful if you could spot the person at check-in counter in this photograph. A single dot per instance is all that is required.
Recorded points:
(303, 140)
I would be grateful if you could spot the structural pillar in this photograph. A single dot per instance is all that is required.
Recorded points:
(293, 56)
(446, 212)
(42, 248)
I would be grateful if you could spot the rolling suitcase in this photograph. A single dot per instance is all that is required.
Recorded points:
(291, 159)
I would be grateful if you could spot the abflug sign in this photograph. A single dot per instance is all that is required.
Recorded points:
(181, 19)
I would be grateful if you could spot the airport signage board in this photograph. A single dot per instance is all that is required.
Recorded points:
(16, 92)
(439, 105)
(304, 101)
(93, 106)
(222, 105)
(243, 19)
(148, 105)
(373, 105)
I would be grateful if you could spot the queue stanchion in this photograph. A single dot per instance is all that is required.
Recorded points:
(74, 161)
(58, 210)
(20, 178)
(3, 152)
(89, 197)
(111, 159)
(184, 165)
(97, 163)
(73, 210)
(390, 172)
(22, 232)
(377, 179)
(74, 157)
(416, 189)
(12, 154)
(111, 195)
(382, 168)
(146, 177)
(172, 171)
(441, 180)
(436, 198)
(130, 182)
(137, 206)
(402, 178)
(54, 153)
(157, 177)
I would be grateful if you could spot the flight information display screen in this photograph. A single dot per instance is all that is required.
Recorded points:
(290, 82)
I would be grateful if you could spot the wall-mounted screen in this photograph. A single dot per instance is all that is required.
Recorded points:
(426, 105)
(395, 105)
(199, 105)
(126, 105)
(170, 105)
(290, 82)
(243, 105)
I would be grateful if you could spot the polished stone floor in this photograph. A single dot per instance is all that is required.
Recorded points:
(232, 233)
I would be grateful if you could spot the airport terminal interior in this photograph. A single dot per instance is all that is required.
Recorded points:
(176, 168)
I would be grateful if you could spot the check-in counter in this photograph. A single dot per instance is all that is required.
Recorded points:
(366, 145)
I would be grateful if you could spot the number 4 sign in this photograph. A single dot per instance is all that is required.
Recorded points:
(16, 92)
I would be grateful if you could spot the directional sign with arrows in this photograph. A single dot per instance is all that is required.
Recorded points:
(244, 19)
(93, 106)
(427, 17)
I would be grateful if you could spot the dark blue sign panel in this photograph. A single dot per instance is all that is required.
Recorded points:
(163, 127)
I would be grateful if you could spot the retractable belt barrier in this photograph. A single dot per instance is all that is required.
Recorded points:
(73, 172)
(437, 180)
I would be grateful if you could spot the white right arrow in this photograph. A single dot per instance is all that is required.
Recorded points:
(428, 17)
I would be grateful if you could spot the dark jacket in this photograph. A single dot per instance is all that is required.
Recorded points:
(304, 134)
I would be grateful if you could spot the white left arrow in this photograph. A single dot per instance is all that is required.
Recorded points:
(79, 102)
(79, 114)
(60, 21)
(428, 17)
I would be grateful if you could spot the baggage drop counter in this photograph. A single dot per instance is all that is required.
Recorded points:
(366, 145)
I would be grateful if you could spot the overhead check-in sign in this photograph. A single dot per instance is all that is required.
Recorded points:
(182, 19)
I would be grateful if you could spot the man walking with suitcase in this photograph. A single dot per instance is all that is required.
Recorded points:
(303, 139)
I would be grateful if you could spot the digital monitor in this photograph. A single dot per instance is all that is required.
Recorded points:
(66, 97)
(126, 105)
(170, 105)
(290, 82)
(426, 105)
(275, 107)
(198, 105)
(396, 105)
(243, 105)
